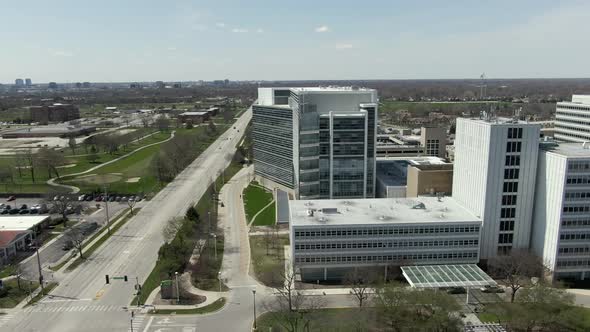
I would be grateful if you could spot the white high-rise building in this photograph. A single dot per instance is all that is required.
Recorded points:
(494, 176)
(561, 228)
(572, 119)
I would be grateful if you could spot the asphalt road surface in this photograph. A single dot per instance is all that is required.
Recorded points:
(82, 301)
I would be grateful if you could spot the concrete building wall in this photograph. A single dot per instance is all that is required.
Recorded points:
(429, 181)
(434, 140)
(480, 181)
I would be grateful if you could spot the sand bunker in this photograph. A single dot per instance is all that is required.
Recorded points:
(133, 180)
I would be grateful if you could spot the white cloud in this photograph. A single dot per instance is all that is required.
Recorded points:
(344, 46)
(259, 30)
(220, 25)
(61, 53)
(238, 30)
(323, 28)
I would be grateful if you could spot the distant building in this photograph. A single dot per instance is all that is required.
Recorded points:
(48, 131)
(54, 113)
(319, 142)
(401, 177)
(332, 237)
(434, 140)
(561, 228)
(400, 145)
(86, 84)
(193, 117)
(160, 84)
(52, 85)
(494, 176)
(19, 82)
(28, 82)
(572, 119)
(78, 85)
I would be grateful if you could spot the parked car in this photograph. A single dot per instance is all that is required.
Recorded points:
(492, 289)
(5, 211)
(89, 198)
(67, 245)
(87, 228)
(81, 197)
(98, 199)
(14, 211)
(2, 206)
(56, 198)
(124, 198)
(112, 198)
(456, 290)
(24, 207)
(24, 211)
(10, 198)
(118, 199)
(131, 198)
(34, 211)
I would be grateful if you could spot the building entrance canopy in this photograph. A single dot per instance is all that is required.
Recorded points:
(439, 276)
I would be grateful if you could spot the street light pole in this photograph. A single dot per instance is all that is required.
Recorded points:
(209, 220)
(219, 279)
(106, 206)
(254, 293)
(215, 243)
(40, 271)
(177, 292)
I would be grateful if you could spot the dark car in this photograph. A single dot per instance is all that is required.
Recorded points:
(67, 245)
(112, 198)
(34, 211)
(89, 198)
(24, 211)
(118, 199)
(87, 228)
(98, 199)
(14, 211)
(456, 290)
(10, 199)
(24, 207)
(5, 211)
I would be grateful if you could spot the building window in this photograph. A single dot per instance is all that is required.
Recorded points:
(509, 200)
(506, 225)
(505, 238)
(514, 133)
(510, 187)
(513, 146)
(507, 212)
(511, 173)
(512, 161)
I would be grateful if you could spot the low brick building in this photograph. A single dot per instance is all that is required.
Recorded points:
(54, 113)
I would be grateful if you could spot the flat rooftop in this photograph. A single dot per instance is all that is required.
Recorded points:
(347, 89)
(574, 150)
(195, 113)
(56, 129)
(501, 121)
(20, 222)
(378, 211)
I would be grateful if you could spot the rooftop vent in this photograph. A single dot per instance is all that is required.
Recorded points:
(322, 219)
(310, 212)
(330, 210)
(419, 206)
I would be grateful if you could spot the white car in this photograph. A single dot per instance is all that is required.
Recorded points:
(81, 197)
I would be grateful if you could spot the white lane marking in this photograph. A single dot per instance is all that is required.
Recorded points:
(147, 327)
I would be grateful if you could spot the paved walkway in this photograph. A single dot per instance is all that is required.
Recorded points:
(259, 212)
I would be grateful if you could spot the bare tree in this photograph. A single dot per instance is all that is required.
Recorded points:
(172, 227)
(361, 282)
(30, 161)
(162, 123)
(131, 203)
(62, 205)
(76, 236)
(516, 269)
(72, 144)
(290, 308)
(50, 159)
(6, 175)
(145, 120)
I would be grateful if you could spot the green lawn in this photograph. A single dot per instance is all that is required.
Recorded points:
(255, 199)
(7, 270)
(11, 295)
(268, 263)
(217, 305)
(329, 320)
(267, 217)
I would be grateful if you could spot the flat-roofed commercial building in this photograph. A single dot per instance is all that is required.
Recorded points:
(494, 176)
(434, 140)
(331, 237)
(572, 119)
(561, 228)
(54, 113)
(318, 142)
(193, 117)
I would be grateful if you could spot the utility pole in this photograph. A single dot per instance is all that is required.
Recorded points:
(209, 220)
(215, 243)
(106, 206)
(254, 293)
(40, 271)
(177, 292)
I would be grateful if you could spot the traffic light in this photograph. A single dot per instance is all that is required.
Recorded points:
(125, 278)
(107, 278)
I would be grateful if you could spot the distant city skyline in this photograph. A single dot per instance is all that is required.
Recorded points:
(111, 41)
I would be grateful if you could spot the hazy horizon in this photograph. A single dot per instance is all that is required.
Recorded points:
(109, 41)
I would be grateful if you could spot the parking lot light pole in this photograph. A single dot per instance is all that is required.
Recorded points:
(215, 243)
(177, 292)
(40, 270)
(254, 293)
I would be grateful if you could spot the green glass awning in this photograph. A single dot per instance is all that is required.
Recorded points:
(438, 276)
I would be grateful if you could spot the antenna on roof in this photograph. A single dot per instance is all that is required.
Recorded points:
(482, 86)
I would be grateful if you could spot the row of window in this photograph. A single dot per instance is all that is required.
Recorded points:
(574, 250)
(387, 258)
(505, 238)
(580, 262)
(510, 187)
(576, 209)
(387, 231)
(576, 195)
(574, 236)
(578, 165)
(578, 179)
(511, 173)
(570, 121)
(506, 225)
(513, 146)
(570, 107)
(507, 212)
(509, 200)
(512, 161)
(576, 222)
(514, 133)
(369, 245)
(570, 126)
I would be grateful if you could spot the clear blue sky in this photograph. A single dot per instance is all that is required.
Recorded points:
(133, 40)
